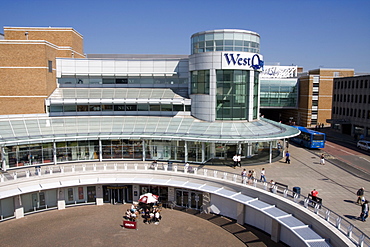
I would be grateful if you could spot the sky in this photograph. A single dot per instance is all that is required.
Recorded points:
(308, 33)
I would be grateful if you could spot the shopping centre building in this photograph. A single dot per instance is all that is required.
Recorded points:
(61, 106)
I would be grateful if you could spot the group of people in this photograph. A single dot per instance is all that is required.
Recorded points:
(237, 159)
(363, 202)
(247, 177)
(150, 213)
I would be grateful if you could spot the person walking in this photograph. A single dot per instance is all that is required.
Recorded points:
(360, 194)
(287, 157)
(235, 159)
(239, 160)
(322, 159)
(263, 175)
(364, 211)
(244, 176)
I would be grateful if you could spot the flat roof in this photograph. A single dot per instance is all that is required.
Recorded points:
(40, 128)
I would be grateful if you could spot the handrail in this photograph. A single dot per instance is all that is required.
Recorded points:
(353, 233)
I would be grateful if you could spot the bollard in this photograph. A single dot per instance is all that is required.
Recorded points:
(165, 166)
(115, 167)
(15, 175)
(175, 168)
(39, 171)
(224, 176)
(135, 165)
(2, 178)
(337, 222)
(285, 193)
(62, 169)
(349, 233)
(235, 177)
(274, 189)
(94, 167)
(327, 215)
(306, 201)
(125, 166)
(73, 168)
(27, 173)
(185, 170)
(255, 182)
(195, 169)
(84, 168)
(316, 209)
(205, 171)
(145, 167)
(361, 240)
(105, 166)
(215, 173)
(51, 170)
(265, 186)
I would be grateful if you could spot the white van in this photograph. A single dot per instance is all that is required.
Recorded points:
(365, 145)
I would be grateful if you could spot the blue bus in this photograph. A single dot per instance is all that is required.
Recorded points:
(309, 138)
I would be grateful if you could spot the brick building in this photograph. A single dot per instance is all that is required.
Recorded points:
(28, 65)
(315, 96)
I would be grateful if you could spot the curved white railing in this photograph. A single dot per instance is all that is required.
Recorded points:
(9, 182)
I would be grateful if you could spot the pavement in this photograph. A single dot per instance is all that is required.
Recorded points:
(336, 181)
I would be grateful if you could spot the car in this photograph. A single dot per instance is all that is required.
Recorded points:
(365, 145)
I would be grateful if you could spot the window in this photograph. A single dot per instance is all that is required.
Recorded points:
(50, 66)
(200, 82)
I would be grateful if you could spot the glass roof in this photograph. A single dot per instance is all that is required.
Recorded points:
(24, 129)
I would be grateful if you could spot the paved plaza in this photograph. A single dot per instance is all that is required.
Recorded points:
(102, 226)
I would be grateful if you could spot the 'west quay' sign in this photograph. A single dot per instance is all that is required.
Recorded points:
(242, 60)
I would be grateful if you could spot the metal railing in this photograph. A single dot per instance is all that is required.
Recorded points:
(347, 228)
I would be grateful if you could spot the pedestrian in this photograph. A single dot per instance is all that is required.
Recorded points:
(287, 157)
(235, 159)
(364, 211)
(322, 159)
(272, 184)
(239, 160)
(360, 195)
(263, 175)
(254, 174)
(314, 194)
(244, 176)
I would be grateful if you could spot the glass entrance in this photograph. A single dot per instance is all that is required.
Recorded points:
(117, 194)
(189, 199)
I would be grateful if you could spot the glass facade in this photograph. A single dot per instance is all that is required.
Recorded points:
(128, 109)
(225, 40)
(232, 94)
(279, 93)
(200, 82)
(166, 80)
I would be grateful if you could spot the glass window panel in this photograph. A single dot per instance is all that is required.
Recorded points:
(155, 107)
(70, 108)
(143, 107)
(238, 43)
(218, 36)
(209, 36)
(178, 107)
(229, 42)
(56, 108)
(229, 36)
(166, 107)
(107, 107)
(209, 43)
(219, 42)
(94, 108)
(201, 37)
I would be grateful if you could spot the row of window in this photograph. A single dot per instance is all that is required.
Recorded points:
(119, 108)
(341, 84)
(350, 112)
(350, 98)
(167, 80)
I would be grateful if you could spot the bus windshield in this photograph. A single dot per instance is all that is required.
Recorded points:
(318, 137)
